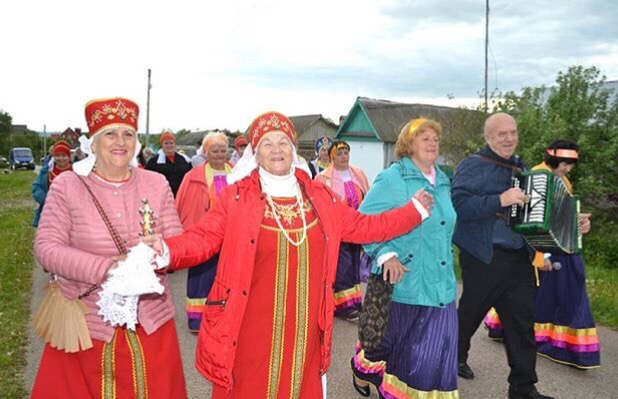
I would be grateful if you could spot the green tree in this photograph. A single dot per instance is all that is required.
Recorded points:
(578, 108)
(6, 121)
(463, 134)
(181, 133)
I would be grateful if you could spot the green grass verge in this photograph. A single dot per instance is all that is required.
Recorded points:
(601, 257)
(16, 236)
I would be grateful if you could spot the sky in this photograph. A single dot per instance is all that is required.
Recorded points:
(218, 64)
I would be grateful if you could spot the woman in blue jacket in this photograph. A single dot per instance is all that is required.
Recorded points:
(61, 162)
(417, 357)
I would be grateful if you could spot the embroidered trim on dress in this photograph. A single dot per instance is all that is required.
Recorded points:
(281, 280)
(108, 367)
(140, 384)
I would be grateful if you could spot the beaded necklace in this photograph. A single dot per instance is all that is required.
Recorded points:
(300, 203)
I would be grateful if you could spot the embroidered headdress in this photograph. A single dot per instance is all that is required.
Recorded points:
(101, 115)
(268, 123)
(110, 112)
(323, 141)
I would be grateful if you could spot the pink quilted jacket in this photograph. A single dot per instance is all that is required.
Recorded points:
(73, 243)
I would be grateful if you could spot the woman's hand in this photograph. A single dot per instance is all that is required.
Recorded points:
(393, 270)
(154, 241)
(584, 222)
(424, 198)
(547, 266)
(116, 259)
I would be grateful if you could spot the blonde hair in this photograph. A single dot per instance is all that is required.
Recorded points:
(403, 146)
(213, 138)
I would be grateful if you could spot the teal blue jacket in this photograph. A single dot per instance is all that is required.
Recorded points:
(40, 187)
(426, 250)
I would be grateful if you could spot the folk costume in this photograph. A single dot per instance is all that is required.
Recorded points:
(317, 165)
(74, 243)
(417, 357)
(197, 194)
(564, 327)
(46, 176)
(174, 167)
(267, 326)
(351, 186)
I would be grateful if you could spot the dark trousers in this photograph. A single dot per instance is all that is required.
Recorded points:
(507, 284)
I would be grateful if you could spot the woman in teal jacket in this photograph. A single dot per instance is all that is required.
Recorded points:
(417, 356)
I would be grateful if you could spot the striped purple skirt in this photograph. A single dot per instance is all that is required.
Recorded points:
(417, 356)
(199, 282)
(348, 294)
(564, 328)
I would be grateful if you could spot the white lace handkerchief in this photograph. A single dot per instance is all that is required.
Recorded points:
(120, 293)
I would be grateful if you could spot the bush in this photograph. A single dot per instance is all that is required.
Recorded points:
(601, 244)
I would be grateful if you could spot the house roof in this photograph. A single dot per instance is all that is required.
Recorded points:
(195, 138)
(304, 122)
(388, 117)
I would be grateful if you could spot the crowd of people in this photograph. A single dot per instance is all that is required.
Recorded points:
(276, 248)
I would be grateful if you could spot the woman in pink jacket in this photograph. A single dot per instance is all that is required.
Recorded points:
(351, 185)
(80, 249)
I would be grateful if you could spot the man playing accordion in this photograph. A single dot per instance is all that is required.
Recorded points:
(564, 328)
(495, 260)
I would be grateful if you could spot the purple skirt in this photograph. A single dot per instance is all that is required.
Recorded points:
(348, 294)
(199, 282)
(417, 356)
(564, 328)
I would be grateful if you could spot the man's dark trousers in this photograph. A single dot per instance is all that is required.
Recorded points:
(507, 284)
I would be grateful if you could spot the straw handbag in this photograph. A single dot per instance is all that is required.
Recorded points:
(61, 321)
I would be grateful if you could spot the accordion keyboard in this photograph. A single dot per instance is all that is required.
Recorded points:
(534, 211)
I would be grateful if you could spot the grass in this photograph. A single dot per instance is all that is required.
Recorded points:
(601, 257)
(16, 236)
(602, 285)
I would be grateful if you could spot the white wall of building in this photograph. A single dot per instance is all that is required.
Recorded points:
(369, 156)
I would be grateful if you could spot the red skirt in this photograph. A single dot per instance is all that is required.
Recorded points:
(132, 365)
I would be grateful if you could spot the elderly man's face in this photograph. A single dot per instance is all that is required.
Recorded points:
(275, 154)
(501, 135)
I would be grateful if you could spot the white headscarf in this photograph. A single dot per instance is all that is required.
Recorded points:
(85, 166)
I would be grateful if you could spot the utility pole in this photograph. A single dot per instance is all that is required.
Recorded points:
(148, 110)
(486, 49)
(44, 140)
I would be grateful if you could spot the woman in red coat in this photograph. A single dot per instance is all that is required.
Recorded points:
(267, 326)
(198, 192)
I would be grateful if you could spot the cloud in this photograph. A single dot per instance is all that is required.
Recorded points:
(217, 64)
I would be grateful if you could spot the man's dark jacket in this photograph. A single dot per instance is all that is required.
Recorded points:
(478, 182)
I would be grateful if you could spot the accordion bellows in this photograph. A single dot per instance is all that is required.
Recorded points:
(549, 220)
(62, 321)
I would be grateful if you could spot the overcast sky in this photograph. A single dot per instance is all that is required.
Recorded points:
(218, 64)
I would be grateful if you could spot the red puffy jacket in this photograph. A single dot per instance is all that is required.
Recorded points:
(232, 226)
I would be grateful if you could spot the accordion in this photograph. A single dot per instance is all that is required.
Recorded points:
(549, 218)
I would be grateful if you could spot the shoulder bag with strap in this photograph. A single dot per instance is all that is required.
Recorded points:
(62, 321)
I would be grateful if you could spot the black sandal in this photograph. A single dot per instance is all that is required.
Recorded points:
(363, 390)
